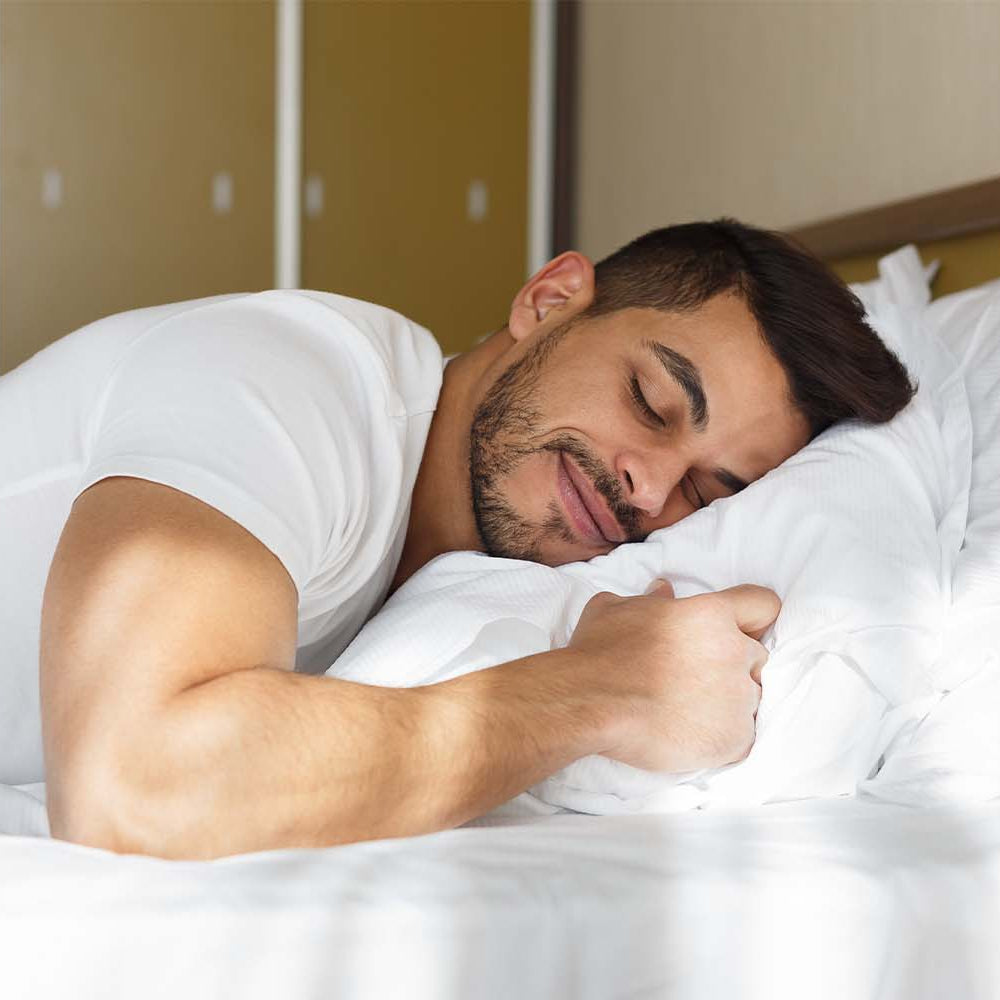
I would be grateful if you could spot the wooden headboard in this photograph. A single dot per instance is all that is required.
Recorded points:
(960, 227)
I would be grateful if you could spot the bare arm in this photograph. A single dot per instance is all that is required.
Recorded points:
(174, 725)
(264, 758)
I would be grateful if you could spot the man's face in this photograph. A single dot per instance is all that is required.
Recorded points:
(566, 460)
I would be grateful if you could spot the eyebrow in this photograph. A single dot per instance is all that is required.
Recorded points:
(686, 374)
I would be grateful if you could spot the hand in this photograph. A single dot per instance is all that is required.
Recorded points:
(680, 679)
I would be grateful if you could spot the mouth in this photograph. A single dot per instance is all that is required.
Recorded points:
(587, 511)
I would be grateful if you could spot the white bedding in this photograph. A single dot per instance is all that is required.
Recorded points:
(835, 900)
(859, 533)
(861, 897)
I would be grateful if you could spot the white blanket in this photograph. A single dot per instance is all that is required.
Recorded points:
(858, 533)
(835, 900)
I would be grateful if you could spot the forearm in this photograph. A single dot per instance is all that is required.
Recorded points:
(262, 758)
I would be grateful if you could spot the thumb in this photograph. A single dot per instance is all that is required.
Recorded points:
(660, 588)
(754, 608)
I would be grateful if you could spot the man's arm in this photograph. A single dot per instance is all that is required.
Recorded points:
(174, 724)
(264, 758)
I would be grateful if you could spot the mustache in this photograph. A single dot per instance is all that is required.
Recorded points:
(603, 481)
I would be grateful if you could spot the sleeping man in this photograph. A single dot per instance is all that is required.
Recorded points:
(202, 503)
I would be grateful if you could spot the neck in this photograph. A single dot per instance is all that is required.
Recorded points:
(441, 518)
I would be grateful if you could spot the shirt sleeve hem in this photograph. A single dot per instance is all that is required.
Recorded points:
(219, 494)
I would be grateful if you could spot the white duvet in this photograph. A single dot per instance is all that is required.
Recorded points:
(820, 900)
(860, 534)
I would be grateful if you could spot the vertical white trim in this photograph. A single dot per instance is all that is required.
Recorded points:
(288, 144)
(1, 226)
(541, 136)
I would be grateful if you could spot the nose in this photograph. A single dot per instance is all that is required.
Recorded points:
(649, 479)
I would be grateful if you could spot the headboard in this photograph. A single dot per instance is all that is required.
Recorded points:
(960, 227)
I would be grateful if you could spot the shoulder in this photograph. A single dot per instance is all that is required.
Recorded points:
(401, 351)
(309, 341)
(288, 411)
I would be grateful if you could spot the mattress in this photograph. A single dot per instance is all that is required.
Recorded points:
(837, 898)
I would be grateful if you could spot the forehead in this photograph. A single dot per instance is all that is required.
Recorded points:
(721, 337)
(720, 326)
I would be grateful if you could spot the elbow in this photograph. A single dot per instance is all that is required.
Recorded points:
(148, 789)
(108, 823)
(110, 815)
(89, 813)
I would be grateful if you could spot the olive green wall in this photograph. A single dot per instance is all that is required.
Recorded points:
(406, 104)
(964, 262)
(137, 106)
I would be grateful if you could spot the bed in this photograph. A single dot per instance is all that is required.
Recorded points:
(821, 899)
(890, 892)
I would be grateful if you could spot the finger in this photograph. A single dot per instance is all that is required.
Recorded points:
(758, 658)
(603, 596)
(757, 633)
(661, 588)
(754, 608)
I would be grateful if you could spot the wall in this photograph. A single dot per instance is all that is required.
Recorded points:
(778, 113)
(406, 105)
(137, 106)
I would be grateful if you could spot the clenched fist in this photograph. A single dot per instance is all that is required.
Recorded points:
(679, 678)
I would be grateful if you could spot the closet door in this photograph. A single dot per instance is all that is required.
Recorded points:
(137, 159)
(416, 158)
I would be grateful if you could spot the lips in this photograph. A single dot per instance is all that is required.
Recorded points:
(594, 507)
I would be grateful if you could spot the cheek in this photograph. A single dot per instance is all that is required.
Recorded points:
(582, 395)
(531, 485)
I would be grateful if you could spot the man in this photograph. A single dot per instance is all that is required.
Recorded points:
(236, 484)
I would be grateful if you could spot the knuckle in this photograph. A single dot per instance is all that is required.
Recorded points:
(601, 599)
(703, 611)
(757, 654)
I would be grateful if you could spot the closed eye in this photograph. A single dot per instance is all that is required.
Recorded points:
(697, 493)
(642, 404)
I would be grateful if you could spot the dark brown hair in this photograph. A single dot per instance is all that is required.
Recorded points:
(836, 364)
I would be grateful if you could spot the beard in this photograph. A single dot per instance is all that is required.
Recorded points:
(507, 429)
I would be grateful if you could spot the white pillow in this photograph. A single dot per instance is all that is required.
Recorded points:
(903, 281)
(968, 323)
(858, 533)
(954, 753)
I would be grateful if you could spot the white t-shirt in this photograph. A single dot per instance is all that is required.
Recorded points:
(301, 415)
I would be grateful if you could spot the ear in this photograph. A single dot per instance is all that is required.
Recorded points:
(563, 288)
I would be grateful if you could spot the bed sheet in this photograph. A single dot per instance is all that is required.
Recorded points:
(830, 899)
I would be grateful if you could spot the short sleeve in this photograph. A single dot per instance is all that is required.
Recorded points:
(260, 406)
